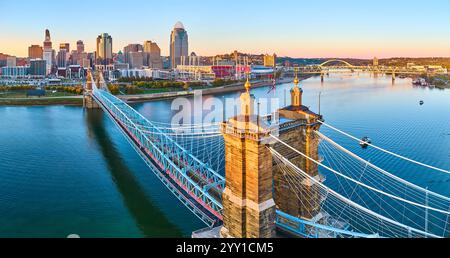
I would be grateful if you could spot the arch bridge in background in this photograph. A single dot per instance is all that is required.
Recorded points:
(336, 61)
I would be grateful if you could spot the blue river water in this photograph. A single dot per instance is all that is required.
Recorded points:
(65, 170)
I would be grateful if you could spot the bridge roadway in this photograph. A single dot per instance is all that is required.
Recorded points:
(194, 183)
(167, 166)
(344, 66)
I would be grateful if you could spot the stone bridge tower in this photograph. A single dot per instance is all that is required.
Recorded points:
(248, 205)
(297, 128)
(88, 100)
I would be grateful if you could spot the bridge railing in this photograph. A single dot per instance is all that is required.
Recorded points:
(308, 229)
(170, 145)
(162, 149)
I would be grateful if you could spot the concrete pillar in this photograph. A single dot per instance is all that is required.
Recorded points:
(248, 205)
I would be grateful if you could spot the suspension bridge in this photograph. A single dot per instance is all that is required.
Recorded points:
(254, 176)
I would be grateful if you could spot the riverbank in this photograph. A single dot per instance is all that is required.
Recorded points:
(78, 100)
(236, 87)
(42, 101)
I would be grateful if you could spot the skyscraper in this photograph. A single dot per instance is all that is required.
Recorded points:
(104, 49)
(61, 59)
(131, 48)
(77, 56)
(63, 55)
(153, 55)
(136, 59)
(38, 67)
(65, 46)
(178, 44)
(35, 51)
(80, 46)
(47, 41)
(48, 54)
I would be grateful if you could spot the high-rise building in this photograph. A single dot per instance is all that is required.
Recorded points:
(38, 67)
(80, 46)
(136, 59)
(270, 60)
(131, 48)
(47, 41)
(153, 55)
(14, 71)
(48, 54)
(11, 61)
(179, 44)
(65, 46)
(85, 63)
(35, 51)
(77, 56)
(61, 58)
(61, 61)
(104, 49)
(151, 47)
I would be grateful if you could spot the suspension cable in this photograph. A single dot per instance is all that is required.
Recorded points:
(359, 183)
(386, 151)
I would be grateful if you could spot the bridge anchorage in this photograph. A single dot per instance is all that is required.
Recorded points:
(272, 182)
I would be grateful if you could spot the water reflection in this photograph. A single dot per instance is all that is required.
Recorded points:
(150, 220)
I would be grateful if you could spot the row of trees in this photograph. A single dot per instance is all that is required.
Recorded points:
(442, 81)
(158, 84)
(137, 87)
(17, 88)
(134, 79)
(149, 83)
(132, 89)
(222, 82)
(168, 84)
(114, 89)
(78, 90)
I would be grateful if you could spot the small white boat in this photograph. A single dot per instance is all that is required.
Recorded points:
(365, 141)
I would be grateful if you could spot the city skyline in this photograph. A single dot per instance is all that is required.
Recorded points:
(293, 28)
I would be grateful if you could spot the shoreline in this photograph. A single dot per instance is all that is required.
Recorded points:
(211, 91)
(43, 101)
(78, 100)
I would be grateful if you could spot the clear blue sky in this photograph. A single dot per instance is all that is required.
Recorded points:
(327, 28)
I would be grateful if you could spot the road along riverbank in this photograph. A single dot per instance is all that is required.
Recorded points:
(211, 91)
(78, 100)
(42, 101)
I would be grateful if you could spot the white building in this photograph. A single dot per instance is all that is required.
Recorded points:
(436, 69)
(15, 71)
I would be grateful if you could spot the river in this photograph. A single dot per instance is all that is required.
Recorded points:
(65, 170)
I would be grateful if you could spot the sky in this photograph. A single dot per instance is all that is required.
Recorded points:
(296, 28)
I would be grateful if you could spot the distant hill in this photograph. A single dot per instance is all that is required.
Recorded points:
(403, 61)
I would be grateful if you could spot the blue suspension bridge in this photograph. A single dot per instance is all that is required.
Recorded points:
(363, 201)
